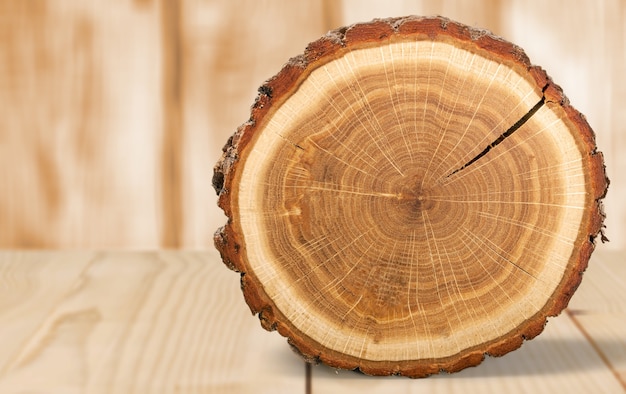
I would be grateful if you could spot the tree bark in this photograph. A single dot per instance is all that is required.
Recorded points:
(408, 196)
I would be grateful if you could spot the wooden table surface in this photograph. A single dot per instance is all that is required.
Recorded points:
(176, 322)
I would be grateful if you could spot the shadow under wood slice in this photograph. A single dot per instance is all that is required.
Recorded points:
(408, 196)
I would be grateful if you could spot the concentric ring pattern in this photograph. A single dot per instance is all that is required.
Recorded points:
(379, 224)
(408, 195)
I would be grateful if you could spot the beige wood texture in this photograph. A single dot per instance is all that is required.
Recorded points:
(230, 49)
(174, 322)
(82, 322)
(112, 114)
(599, 308)
(80, 130)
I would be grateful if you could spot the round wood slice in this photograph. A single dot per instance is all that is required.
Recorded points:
(409, 195)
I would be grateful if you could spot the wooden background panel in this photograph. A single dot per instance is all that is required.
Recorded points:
(582, 45)
(113, 114)
(80, 130)
(230, 48)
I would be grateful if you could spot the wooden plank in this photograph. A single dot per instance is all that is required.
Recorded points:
(32, 285)
(561, 359)
(229, 49)
(134, 322)
(79, 124)
(599, 308)
(603, 289)
(606, 334)
(137, 322)
(577, 47)
(173, 130)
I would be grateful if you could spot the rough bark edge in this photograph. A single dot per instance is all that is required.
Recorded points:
(334, 44)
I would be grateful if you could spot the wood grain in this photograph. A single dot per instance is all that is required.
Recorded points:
(582, 47)
(173, 130)
(599, 309)
(172, 322)
(560, 360)
(133, 323)
(361, 185)
(82, 103)
(79, 124)
(224, 62)
(589, 356)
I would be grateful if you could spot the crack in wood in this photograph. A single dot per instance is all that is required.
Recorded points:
(506, 134)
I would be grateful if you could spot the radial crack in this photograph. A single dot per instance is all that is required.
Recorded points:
(504, 135)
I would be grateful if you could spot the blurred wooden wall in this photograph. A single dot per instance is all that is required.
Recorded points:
(112, 113)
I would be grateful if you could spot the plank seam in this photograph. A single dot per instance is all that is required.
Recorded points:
(596, 348)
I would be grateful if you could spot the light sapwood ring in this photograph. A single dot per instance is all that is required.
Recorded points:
(408, 196)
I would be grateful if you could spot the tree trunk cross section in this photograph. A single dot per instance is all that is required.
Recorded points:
(408, 196)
